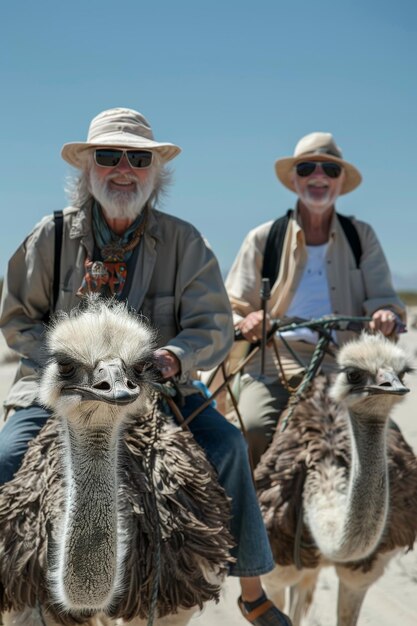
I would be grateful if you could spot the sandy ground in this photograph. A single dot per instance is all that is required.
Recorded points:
(392, 600)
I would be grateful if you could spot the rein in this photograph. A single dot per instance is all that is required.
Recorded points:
(313, 367)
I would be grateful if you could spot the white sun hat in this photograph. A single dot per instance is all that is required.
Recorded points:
(317, 146)
(119, 128)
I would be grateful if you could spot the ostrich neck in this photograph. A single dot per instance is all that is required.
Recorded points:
(348, 526)
(89, 542)
(367, 499)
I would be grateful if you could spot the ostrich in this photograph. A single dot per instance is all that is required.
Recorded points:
(114, 507)
(339, 485)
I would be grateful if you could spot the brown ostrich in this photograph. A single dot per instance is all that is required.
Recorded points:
(339, 485)
(115, 514)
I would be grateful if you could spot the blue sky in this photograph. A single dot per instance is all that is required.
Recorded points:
(235, 84)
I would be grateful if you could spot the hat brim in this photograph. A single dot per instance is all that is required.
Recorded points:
(284, 168)
(75, 153)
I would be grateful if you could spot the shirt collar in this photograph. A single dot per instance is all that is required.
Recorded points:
(334, 224)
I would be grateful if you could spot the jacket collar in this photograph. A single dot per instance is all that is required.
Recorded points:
(80, 223)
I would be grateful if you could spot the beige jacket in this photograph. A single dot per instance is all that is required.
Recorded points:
(352, 291)
(176, 284)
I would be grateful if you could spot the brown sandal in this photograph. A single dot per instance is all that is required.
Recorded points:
(266, 614)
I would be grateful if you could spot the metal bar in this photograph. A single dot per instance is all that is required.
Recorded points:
(265, 295)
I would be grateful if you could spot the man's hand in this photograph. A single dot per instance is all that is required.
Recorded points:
(251, 326)
(383, 320)
(167, 363)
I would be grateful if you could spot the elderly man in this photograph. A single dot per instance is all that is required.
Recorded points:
(326, 264)
(116, 243)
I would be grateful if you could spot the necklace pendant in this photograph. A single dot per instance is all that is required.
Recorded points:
(98, 270)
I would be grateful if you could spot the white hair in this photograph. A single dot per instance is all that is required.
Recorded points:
(77, 187)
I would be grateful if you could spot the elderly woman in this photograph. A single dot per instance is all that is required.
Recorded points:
(328, 264)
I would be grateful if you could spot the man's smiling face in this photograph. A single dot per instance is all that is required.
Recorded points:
(122, 190)
(317, 191)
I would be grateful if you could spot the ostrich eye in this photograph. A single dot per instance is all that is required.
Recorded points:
(406, 370)
(66, 370)
(138, 369)
(355, 377)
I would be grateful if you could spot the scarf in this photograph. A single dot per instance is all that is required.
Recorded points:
(107, 276)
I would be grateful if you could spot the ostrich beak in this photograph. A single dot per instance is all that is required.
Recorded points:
(110, 384)
(388, 383)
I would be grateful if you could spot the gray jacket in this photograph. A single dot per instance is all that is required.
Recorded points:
(176, 284)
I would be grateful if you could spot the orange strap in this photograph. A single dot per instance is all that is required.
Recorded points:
(251, 616)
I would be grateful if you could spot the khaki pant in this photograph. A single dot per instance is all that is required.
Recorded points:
(261, 403)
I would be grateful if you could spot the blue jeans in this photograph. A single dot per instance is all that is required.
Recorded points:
(225, 448)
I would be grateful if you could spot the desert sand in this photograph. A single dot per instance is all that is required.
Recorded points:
(392, 600)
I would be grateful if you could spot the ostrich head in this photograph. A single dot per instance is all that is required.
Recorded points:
(371, 374)
(100, 364)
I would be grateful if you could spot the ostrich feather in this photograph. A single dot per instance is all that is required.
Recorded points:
(191, 518)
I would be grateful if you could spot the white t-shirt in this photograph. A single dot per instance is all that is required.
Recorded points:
(311, 298)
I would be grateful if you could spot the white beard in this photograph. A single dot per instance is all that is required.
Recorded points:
(119, 203)
(318, 205)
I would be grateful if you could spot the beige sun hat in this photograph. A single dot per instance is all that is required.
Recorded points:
(121, 128)
(317, 147)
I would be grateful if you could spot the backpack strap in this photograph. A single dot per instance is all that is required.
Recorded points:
(275, 244)
(59, 227)
(352, 236)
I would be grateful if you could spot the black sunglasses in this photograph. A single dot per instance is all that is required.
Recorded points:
(110, 157)
(332, 170)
